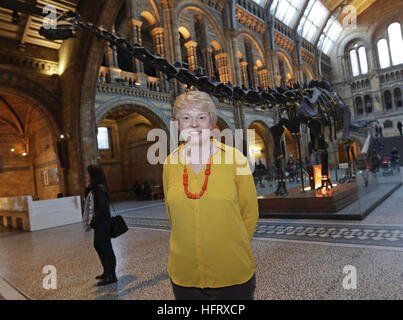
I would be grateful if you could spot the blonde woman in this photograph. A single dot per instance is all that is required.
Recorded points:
(212, 207)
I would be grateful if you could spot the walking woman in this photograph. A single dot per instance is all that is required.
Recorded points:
(101, 223)
(212, 207)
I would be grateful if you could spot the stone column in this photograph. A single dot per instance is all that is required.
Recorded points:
(210, 67)
(112, 60)
(244, 73)
(271, 55)
(235, 78)
(264, 79)
(375, 82)
(115, 53)
(135, 26)
(221, 60)
(109, 55)
(158, 38)
(318, 66)
(274, 79)
(256, 76)
(191, 51)
(172, 45)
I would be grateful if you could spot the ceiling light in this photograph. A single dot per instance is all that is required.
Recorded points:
(24, 154)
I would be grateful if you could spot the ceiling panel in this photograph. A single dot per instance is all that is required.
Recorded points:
(27, 29)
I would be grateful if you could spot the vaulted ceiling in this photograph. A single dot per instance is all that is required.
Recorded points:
(360, 5)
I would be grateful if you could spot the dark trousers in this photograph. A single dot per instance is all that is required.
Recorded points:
(103, 246)
(244, 291)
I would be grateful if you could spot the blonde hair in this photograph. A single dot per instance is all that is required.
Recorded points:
(195, 100)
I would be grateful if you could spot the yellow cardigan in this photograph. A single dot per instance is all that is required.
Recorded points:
(210, 237)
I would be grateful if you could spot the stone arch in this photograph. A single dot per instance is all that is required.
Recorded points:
(359, 105)
(129, 123)
(288, 76)
(387, 100)
(221, 123)
(184, 32)
(379, 29)
(257, 45)
(36, 133)
(346, 42)
(309, 73)
(263, 131)
(34, 94)
(131, 103)
(194, 6)
(397, 97)
(147, 15)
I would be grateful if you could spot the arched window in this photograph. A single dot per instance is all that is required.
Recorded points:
(383, 54)
(313, 20)
(368, 103)
(390, 49)
(103, 138)
(286, 10)
(396, 43)
(388, 100)
(358, 60)
(330, 34)
(359, 106)
(397, 94)
(354, 63)
(363, 60)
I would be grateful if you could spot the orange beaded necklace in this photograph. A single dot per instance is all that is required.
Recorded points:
(207, 172)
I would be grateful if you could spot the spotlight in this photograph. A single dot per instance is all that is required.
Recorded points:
(24, 154)
(12, 150)
(62, 136)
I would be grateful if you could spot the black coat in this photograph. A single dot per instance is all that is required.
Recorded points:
(101, 205)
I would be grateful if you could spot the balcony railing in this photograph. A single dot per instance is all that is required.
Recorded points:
(119, 89)
(252, 7)
(391, 76)
(360, 84)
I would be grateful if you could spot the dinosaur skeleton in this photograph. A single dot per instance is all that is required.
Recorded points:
(315, 106)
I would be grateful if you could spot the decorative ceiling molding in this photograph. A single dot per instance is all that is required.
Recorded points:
(40, 65)
(215, 4)
(249, 20)
(284, 42)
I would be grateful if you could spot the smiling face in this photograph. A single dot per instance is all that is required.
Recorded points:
(194, 125)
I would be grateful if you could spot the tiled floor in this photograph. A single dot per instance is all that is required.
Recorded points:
(286, 268)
